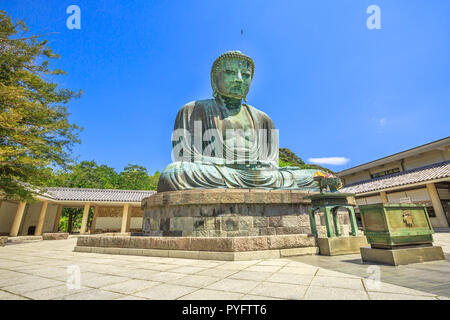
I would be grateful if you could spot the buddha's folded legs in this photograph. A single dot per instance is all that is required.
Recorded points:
(193, 175)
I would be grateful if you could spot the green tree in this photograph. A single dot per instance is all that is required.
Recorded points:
(88, 174)
(134, 177)
(34, 128)
(153, 185)
(290, 159)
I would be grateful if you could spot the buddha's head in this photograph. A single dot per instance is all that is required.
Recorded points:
(231, 75)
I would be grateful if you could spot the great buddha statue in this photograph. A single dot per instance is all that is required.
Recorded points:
(225, 143)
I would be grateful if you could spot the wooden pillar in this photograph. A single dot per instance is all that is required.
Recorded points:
(17, 219)
(437, 206)
(57, 218)
(383, 197)
(94, 219)
(126, 218)
(69, 224)
(41, 220)
(84, 221)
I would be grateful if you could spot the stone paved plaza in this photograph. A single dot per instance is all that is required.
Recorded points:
(41, 269)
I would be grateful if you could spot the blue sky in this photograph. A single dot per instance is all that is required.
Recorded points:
(333, 87)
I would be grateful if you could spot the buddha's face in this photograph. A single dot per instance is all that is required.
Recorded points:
(233, 78)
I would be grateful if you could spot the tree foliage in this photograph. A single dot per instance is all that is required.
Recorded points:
(290, 159)
(34, 128)
(89, 174)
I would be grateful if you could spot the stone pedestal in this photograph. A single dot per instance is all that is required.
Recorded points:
(399, 256)
(55, 236)
(203, 248)
(226, 213)
(3, 240)
(341, 245)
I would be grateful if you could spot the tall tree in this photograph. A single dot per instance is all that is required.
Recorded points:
(134, 177)
(289, 158)
(88, 174)
(34, 128)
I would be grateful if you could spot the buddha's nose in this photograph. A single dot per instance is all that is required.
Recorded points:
(239, 76)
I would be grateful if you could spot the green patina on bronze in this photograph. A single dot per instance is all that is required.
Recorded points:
(329, 203)
(231, 76)
(393, 225)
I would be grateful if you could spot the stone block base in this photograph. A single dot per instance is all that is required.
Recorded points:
(203, 255)
(230, 213)
(397, 257)
(55, 236)
(210, 248)
(3, 240)
(341, 245)
(24, 238)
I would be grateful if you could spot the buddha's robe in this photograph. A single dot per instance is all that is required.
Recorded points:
(214, 147)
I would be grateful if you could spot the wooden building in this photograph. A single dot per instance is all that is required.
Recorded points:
(418, 175)
(114, 211)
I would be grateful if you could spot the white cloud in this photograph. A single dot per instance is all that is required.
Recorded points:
(382, 122)
(337, 161)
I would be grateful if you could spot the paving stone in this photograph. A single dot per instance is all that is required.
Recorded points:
(138, 273)
(262, 268)
(130, 286)
(9, 296)
(276, 262)
(215, 272)
(296, 270)
(390, 288)
(330, 273)
(130, 297)
(187, 269)
(31, 268)
(251, 275)
(290, 278)
(102, 281)
(165, 276)
(165, 292)
(35, 284)
(10, 280)
(328, 293)
(279, 290)
(53, 292)
(254, 297)
(397, 296)
(234, 285)
(93, 294)
(195, 281)
(207, 294)
(162, 267)
(337, 282)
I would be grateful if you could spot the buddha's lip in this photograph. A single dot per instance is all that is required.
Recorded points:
(238, 86)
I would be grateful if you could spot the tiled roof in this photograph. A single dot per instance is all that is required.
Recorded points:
(426, 173)
(112, 195)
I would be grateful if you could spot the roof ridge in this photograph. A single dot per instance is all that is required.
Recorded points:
(438, 164)
(96, 189)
